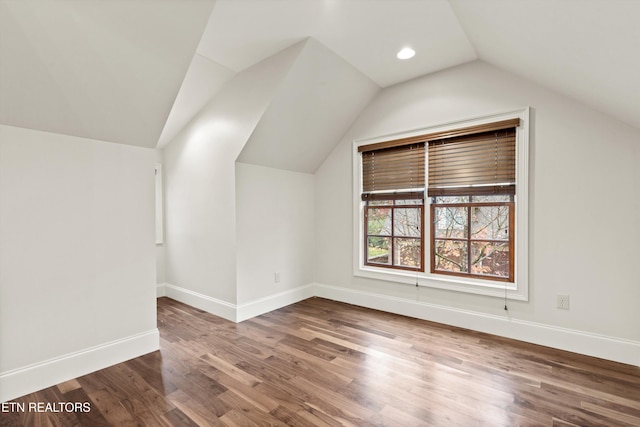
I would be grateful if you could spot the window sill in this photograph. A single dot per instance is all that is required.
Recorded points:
(457, 284)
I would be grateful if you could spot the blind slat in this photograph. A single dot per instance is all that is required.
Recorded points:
(397, 168)
(409, 195)
(477, 160)
(473, 191)
(476, 164)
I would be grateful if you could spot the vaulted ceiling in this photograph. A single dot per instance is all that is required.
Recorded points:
(106, 70)
(136, 72)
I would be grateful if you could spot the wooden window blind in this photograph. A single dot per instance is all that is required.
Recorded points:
(469, 130)
(396, 172)
(481, 163)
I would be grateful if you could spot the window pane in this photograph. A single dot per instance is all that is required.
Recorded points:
(407, 252)
(406, 222)
(490, 258)
(451, 199)
(379, 221)
(451, 222)
(378, 250)
(451, 255)
(493, 198)
(490, 222)
(409, 202)
(380, 202)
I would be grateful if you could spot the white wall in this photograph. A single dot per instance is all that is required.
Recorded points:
(584, 201)
(275, 231)
(77, 261)
(231, 224)
(200, 199)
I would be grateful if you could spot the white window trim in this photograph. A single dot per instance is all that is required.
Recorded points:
(159, 204)
(519, 289)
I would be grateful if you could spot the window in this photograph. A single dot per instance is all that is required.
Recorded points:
(394, 236)
(159, 216)
(472, 235)
(446, 207)
(393, 193)
(472, 181)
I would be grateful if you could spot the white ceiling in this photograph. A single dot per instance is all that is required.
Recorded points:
(317, 101)
(367, 33)
(112, 69)
(106, 70)
(586, 49)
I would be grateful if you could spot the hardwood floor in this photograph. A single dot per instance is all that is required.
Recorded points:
(323, 363)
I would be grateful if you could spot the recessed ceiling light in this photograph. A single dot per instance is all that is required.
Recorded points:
(406, 53)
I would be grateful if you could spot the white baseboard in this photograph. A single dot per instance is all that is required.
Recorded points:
(209, 304)
(273, 302)
(28, 379)
(233, 312)
(604, 347)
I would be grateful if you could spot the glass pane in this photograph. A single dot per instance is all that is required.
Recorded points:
(407, 252)
(406, 222)
(490, 258)
(451, 255)
(379, 221)
(450, 222)
(409, 202)
(490, 222)
(380, 202)
(493, 198)
(451, 199)
(378, 250)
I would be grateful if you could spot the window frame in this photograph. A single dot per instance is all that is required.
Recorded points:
(469, 240)
(159, 204)
(393, 206)
(516, 290)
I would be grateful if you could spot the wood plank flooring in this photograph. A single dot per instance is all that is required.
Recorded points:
(323, 363)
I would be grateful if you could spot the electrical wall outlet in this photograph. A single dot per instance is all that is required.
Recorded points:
(563, 302)
(276, 277)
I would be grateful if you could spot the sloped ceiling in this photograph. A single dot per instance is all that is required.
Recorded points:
(204, 79)
(586, 49)
(366, 33)
(111, 70)
(316, 103)
(106, 70)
